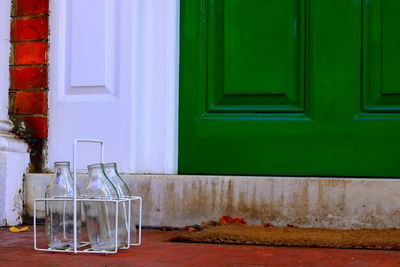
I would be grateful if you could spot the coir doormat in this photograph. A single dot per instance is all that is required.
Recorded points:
(290, 236)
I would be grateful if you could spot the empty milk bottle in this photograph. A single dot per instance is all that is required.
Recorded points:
(100, 216)
(112, 173)
(59, 214)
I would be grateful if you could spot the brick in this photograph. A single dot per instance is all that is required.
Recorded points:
(30, 103)
(31, 7)
(37, 126)
(29, 29)
(28, 77)
(30, 53)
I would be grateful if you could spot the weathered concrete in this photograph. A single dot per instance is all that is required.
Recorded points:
(177, 200)
(12, 168)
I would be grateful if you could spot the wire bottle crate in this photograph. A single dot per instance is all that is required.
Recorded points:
(84, 246)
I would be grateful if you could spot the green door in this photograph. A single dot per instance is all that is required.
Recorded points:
(290, 87)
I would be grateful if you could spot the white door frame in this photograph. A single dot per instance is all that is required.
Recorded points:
(158, 76)
(154, 83)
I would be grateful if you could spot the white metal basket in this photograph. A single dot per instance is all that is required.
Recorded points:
(80, 248)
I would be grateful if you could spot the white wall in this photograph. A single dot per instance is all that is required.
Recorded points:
(114, 76)
(14, 158)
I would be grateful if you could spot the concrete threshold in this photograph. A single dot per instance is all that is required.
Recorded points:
(178, 200)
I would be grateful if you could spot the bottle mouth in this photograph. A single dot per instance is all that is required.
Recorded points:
(61, 163)
(111, 164)
(96, 165)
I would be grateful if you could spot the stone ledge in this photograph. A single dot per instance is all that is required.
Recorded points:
(177, 200)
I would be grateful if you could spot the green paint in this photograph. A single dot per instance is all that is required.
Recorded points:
(290, 87)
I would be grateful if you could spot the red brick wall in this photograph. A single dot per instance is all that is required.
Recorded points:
(28, 75)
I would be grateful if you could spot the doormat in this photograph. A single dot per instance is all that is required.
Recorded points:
(268, 235)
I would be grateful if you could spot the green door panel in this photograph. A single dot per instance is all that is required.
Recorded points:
(254, 42)
(381, 56)
(290, 87)
(255, 56)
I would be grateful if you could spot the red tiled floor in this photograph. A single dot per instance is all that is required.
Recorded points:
(16, 249)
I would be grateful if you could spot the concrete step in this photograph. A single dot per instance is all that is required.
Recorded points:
(178, 200)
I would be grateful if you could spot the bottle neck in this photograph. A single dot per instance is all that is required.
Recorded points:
(98, 178)
(62, 174)
(62, 170)
(61, 185)
(96, 172)
(110, 171)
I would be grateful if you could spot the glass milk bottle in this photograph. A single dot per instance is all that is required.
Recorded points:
(112, 173)
(59, 214)
(100, 216)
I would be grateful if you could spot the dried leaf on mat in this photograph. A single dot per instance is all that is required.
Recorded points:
(224, 220)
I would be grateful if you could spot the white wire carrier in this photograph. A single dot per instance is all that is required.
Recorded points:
(81, 248)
